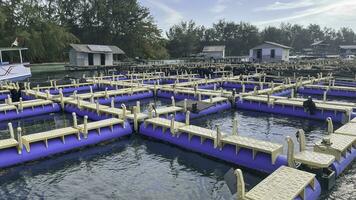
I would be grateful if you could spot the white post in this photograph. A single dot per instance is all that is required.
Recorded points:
(135, 118)
(292, 93)
(78, 103)
(85, 126)
(243, 88)
(185, 105)
(217, 140)
(138, 106)
(47, 94)
(75, 121)
(97, 106)
(255, 90)
(11, 130)
(199, 96)
(112, 102)
(21, 104)
(330, 125)
(324, 96)
(20, 56)
(106, 93)
(123, 111)
(61, 97)
(92, 98)
(173, 101)
(172, 124)
(301, 136)
(9, 100)
(187, 117)
(290, 152)
(91, 89)
(19, 140)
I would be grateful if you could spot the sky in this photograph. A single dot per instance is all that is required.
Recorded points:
(330, 13)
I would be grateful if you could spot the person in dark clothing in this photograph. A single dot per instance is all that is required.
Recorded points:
(309, 106)
(16, 94)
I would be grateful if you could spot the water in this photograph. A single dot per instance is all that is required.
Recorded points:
(137, 167)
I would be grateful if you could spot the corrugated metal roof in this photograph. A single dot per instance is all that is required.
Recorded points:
(91, 48)
(322, 42)
(278, 45)
(213, 48)
(265, 43)
(347, 46)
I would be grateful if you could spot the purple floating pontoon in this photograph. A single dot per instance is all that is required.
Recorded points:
(127, 97)
(178, 96)
(331, 92)
(289, 110)
(262, 161)
(29, 112)
(10, 156)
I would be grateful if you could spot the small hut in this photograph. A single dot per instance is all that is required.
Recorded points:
(83, 55)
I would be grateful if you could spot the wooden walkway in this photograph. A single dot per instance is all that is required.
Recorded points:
(284, 184)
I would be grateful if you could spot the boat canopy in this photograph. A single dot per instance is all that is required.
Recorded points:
(8, 49)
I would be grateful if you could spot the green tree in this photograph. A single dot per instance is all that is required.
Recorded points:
(184, 39)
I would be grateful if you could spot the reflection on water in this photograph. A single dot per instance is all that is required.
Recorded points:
(140, 168)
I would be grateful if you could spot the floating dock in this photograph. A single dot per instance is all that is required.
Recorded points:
(295, 175)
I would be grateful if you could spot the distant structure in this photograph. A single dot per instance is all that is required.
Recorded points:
(86, 55)
(214, 52)
(347, 50)
(269, 52)
(320, 49)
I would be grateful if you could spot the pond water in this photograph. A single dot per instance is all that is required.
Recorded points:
(137, 167)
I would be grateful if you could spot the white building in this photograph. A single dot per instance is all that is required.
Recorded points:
(269, 52)
(93, 55)
(214, 52)
(346, 50)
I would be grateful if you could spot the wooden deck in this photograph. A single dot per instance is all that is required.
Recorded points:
(284, 184)
(314, 159)
(340, 144)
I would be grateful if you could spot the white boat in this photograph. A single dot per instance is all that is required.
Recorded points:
(10, 70)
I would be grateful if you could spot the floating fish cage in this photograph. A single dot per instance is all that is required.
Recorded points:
(100, 103)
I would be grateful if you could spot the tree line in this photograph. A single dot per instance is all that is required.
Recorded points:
(47, 27)
(188, 38)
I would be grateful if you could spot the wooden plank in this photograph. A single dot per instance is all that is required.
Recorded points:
(285, 183)
(273, 149)
(215, 100)
(168, 110)
(314, 159)
(198, 131)
(101, 124)
(5, 107)
(45, 136)
(348, 129)
(340, 144)
(8, 143)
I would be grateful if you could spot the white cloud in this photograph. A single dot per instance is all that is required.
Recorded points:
(290, 5)
(172, 16)
(220, 6)
(337, 9)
